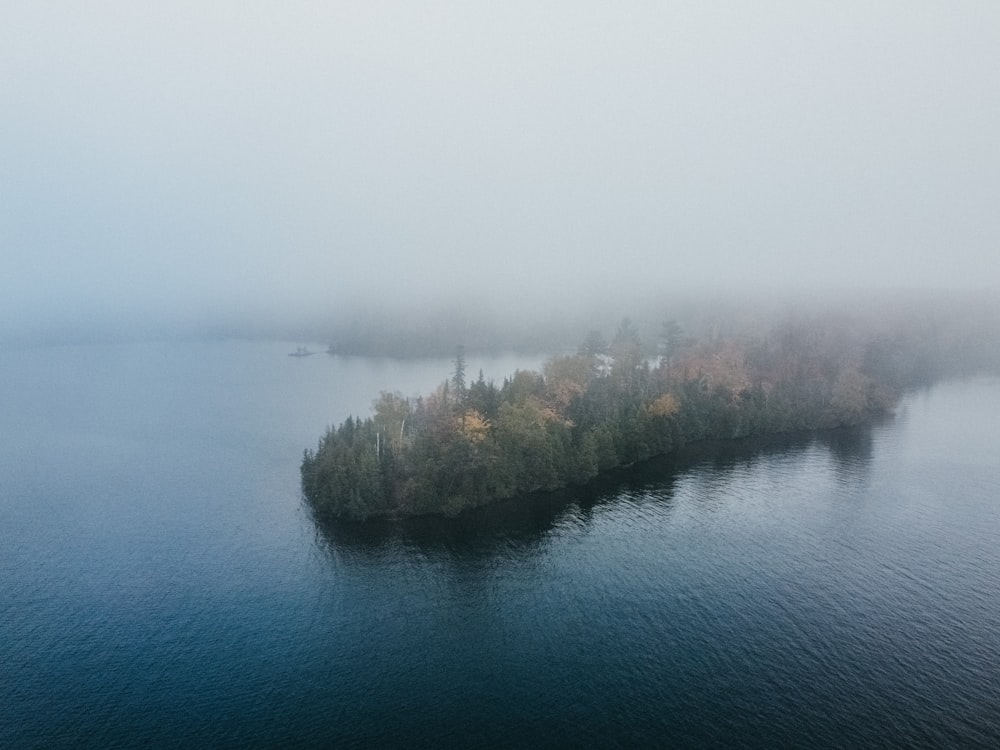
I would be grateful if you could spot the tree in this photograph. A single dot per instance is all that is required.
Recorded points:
(627, 335)
(626, 348)
(391, 412)
(566, 378)
(850, 396)
(671, 336)
(484, 397)
(593, 345)
(458, 374)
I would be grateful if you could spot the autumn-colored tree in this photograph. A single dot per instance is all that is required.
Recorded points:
(566, 378)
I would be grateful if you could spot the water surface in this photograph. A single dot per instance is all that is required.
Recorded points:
(163, 584)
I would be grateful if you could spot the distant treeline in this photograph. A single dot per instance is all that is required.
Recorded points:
(434, 333)
(433, 330)
(612, 404)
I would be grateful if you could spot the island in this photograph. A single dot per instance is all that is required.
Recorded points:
(609, 405)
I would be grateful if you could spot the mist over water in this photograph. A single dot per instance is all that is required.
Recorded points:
(182, 170)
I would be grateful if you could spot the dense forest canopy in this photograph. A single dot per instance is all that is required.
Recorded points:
(614, 402)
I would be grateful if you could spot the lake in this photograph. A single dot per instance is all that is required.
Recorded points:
(162, 583)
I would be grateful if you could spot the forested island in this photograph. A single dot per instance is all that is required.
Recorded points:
(612, 404)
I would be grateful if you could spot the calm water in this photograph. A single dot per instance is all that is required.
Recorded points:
(161, 583)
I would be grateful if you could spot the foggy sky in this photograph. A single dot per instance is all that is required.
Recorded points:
(189, 162)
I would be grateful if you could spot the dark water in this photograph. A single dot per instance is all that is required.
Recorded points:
(163, 585)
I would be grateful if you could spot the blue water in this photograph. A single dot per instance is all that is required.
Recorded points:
(162, 583)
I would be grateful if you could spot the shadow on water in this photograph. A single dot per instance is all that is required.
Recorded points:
(852, 448)
(525, 522)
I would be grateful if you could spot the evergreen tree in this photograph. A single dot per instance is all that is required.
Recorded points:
(458, 373)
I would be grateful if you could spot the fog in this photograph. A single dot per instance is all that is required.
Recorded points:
(232, 168)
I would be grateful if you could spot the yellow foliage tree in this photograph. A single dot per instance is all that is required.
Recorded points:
(473, 426)
(565, 379)
(664, 406)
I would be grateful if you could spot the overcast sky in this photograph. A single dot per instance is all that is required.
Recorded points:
(190, 160)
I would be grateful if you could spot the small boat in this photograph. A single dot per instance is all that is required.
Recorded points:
(301, 352)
